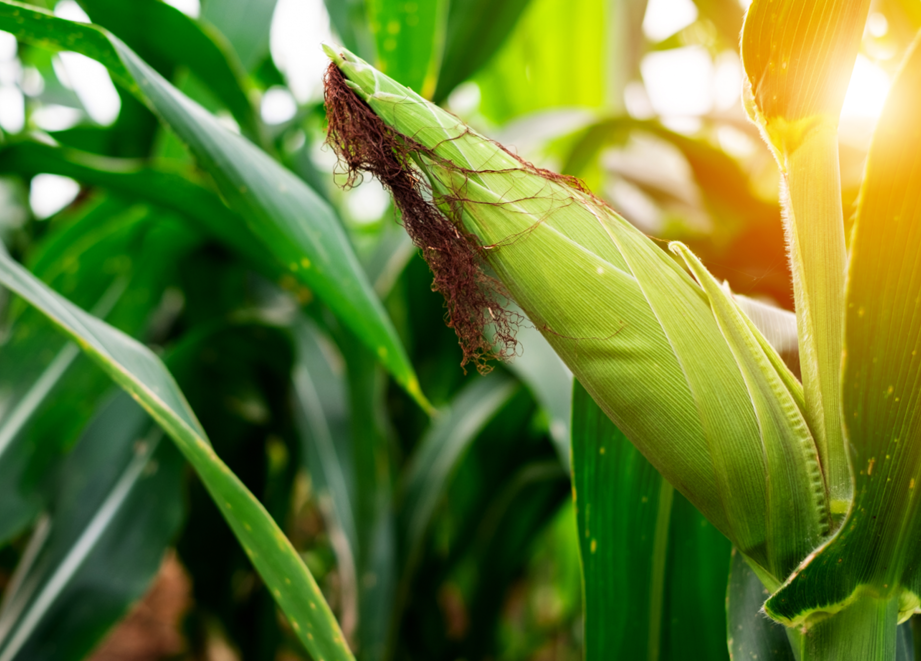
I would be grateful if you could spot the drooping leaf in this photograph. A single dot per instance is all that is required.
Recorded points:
(654, 571)
(137, 370)
(872, 554)
(108, 257)
(798, 57)
(299, 229)
(117, 505)
(169, 190)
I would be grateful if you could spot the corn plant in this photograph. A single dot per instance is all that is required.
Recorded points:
(302, 369)
(812, 481)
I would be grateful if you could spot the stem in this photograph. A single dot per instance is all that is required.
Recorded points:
(865, 630)
(815, 231)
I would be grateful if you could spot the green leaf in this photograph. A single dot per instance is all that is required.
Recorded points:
(48, 392)
(441, 449)
(117, 505)
(138, 371)
(293, 223)
(798, 58)
(752, 636)
(174, 191)
(245, 24)
(142, 24)
(654, 571)
(874, 551)
(410, 39)
(476, 30)
(539, 68)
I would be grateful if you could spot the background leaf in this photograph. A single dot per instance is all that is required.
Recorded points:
(143, 376)
(116, 507)
(654, 570)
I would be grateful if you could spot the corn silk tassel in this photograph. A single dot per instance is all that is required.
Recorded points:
(677, 366)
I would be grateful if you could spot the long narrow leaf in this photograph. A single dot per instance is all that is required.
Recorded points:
(881, 385)
(136, 369)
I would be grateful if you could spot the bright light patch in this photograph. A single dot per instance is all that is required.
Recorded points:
(7, 47)
(867, 91)
(94, 88)
(368, 202)
(12, 109)
(50, 193)
(665, 17)
(278, 105)
(679, 81)
(188, 7)
(70, 10)
(52, 117)
(727, 81)
(877, 25)
(298, 29)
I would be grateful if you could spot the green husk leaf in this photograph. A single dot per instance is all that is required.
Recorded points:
(797, 519)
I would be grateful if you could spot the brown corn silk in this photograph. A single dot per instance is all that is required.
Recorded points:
(364, 143)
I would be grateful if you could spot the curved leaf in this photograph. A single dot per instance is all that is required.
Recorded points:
(297, 226)
(137, 370)
(798, 57)
(47, 392)
(168, 190)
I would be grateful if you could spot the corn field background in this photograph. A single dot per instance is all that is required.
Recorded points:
(287, 461)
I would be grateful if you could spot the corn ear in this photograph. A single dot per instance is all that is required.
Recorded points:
(630, 323)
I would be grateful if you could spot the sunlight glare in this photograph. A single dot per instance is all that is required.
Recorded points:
(666, 17)
(867, 91)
